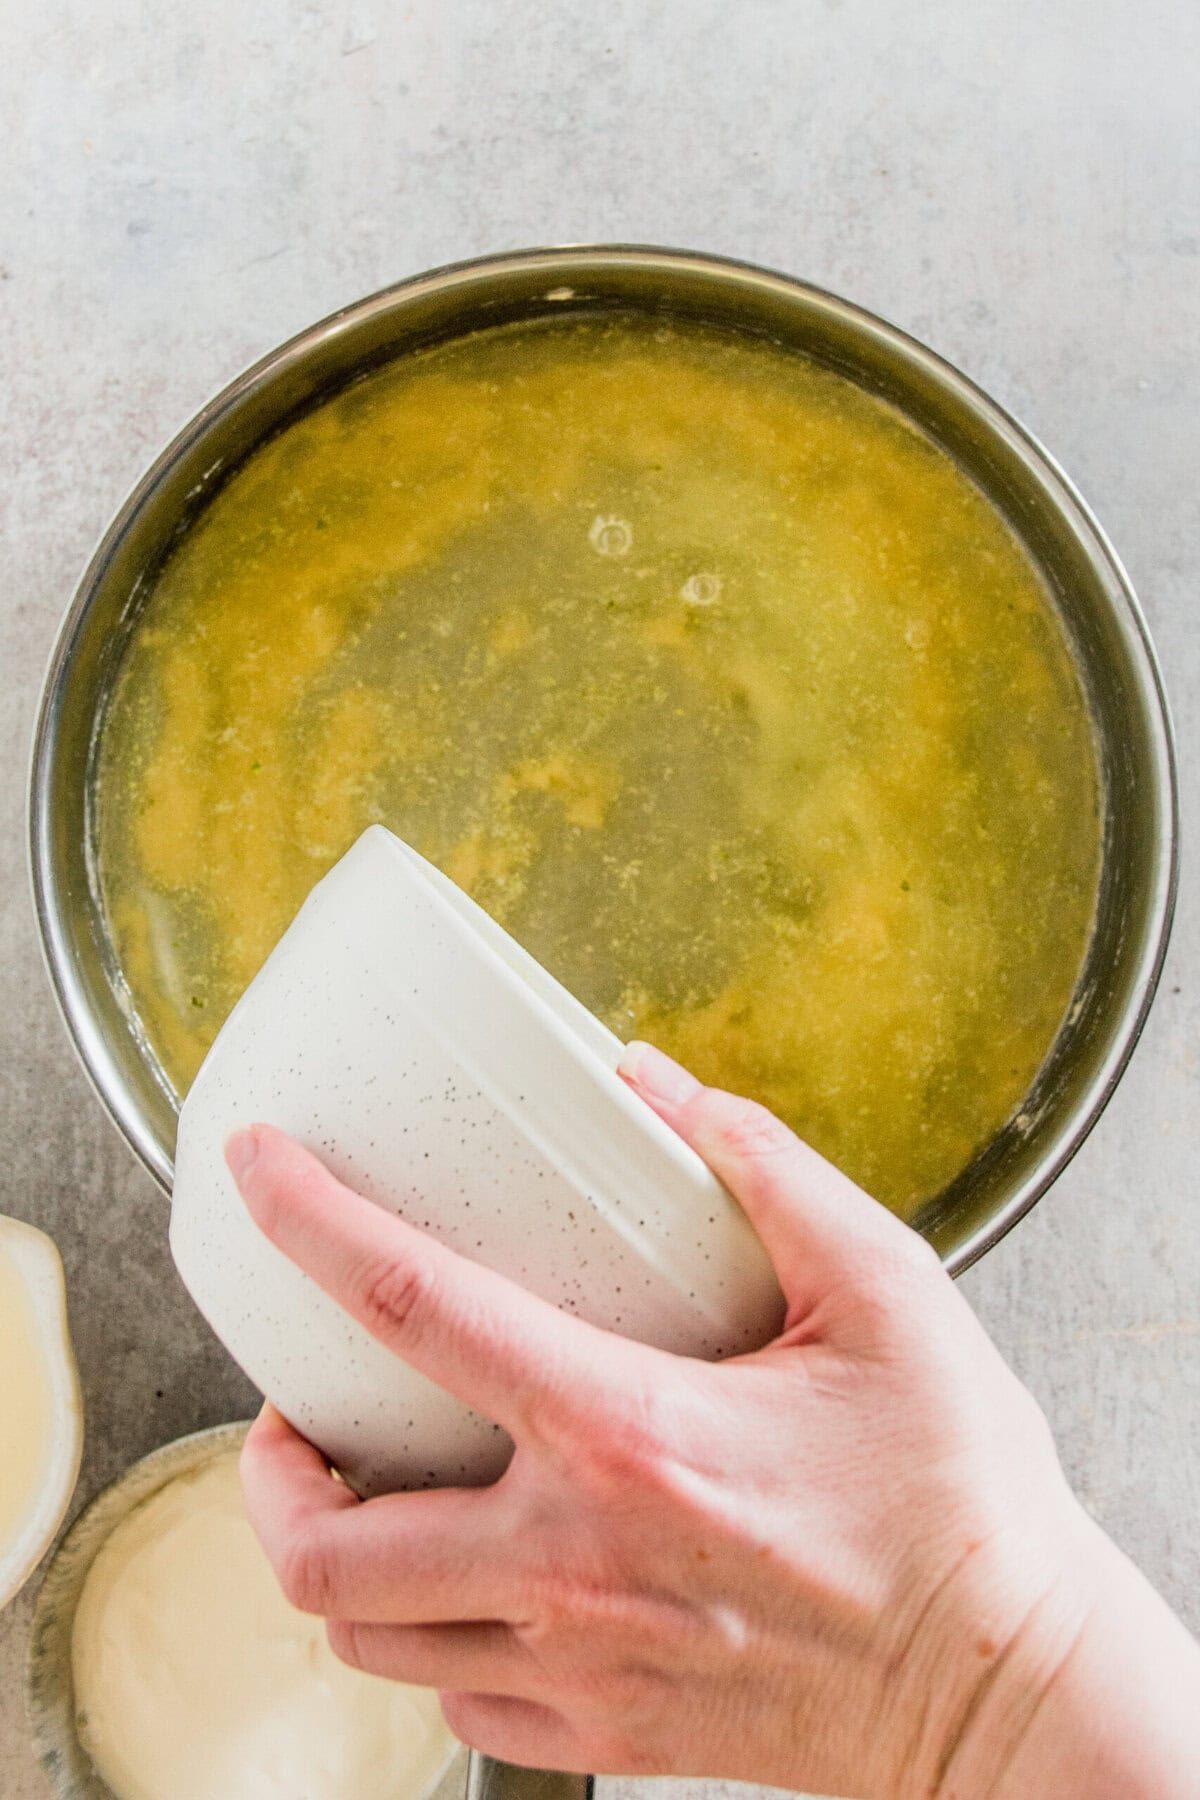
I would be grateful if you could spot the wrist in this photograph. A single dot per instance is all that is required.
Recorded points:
(1095, 1693)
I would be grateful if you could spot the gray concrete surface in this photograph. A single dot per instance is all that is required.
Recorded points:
(1014, 181)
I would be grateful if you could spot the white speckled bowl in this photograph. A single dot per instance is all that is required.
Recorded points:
(432, 1064)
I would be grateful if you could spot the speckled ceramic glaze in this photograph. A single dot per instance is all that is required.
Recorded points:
(432, 1064)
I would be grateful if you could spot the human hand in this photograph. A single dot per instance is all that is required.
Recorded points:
(848, 1563)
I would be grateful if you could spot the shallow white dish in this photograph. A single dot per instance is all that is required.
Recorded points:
(433, 1065)
(50, 1681)
(39, 1269)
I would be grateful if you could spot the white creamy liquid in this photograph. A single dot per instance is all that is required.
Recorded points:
(196, 1680)
(27, 1405)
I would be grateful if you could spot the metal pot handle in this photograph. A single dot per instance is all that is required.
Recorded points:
(491, 1780)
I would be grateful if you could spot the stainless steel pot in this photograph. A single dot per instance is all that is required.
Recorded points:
(1097, 604)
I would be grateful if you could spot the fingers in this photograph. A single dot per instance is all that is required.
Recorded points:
(285, 1481)
(816, 1224)
(483, 1657)
(516, 1731)
(406, 1558)
(510, 1355)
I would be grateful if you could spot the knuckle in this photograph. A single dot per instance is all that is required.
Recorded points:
(618, 1750)
(911, 1259)
(633, 1450)
(394, 1295)
(305, 1574)
(873, 1303)
(554, 1614)
(892, 1287)
(890, 1258)
(621, 1692)
(744, 1129)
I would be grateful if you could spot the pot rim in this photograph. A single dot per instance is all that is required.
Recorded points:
(1042, 468)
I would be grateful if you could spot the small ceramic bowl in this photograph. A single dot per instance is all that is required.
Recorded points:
(38, 1267)
(50, 1685)
(434, 1066)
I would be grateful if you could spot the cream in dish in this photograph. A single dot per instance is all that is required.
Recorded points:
(196, 1680)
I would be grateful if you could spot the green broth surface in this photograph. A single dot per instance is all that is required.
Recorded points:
(711, 678)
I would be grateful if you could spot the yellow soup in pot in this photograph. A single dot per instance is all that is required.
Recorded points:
(710, 677)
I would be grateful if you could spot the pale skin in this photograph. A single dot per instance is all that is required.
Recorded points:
(849, 1563)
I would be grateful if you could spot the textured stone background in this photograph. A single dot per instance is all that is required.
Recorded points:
(1015, 182)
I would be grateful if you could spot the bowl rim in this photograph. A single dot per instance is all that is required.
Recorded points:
(1041, 466)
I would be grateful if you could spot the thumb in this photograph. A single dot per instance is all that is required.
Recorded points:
(820, 1230)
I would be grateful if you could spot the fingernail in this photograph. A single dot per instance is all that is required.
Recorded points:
(241, 1153)
(655, 1074)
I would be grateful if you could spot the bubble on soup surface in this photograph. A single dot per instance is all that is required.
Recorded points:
(610, 536)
